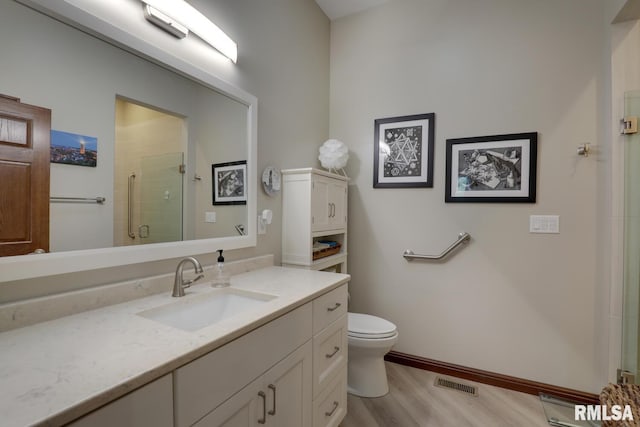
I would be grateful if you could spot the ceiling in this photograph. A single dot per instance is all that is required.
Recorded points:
(335, 9)
(630, 12)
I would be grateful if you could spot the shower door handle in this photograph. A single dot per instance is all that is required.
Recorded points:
(132, 177)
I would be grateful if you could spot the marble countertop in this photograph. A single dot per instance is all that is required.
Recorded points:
(54, 372)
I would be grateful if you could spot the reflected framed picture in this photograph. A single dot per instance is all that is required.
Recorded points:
(492, 169)
(230, 183)
(74, 149)
(403, 151)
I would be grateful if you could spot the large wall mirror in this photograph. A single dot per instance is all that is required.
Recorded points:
(160, 122)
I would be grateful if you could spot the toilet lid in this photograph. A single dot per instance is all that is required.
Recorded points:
(367, 326)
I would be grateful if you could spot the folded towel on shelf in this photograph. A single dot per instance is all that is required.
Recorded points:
(317, 246)
(331, 243)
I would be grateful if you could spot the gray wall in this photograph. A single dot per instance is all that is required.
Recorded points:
(511, 302)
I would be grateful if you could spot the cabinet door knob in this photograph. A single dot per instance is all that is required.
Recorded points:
(273, 409)
(333, 353)
(264, 408)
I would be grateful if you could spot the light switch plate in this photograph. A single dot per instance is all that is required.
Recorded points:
(544, 224)
(210, 216)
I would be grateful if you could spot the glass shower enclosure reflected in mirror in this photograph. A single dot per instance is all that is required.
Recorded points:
(631, 308)
(161, 198)
(149, 173)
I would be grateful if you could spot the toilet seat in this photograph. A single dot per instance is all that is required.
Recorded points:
(369, 327)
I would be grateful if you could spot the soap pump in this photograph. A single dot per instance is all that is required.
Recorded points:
(221, 280)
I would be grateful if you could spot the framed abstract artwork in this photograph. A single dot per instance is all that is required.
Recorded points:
(497, 168)
(230, 183)
(403, 151)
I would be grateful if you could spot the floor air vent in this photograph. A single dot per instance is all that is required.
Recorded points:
(464, 388)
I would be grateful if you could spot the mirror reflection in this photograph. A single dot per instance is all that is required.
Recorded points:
(157, 133)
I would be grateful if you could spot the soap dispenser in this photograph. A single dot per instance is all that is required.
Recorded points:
(222, 279)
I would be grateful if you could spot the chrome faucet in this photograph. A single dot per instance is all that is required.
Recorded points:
(179, 283)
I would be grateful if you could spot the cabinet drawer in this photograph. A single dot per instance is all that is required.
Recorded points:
(329, 353)
(205, 383)
(330, 407)
(329, 307)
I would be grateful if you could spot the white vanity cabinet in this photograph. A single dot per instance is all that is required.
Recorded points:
(314, 204)
(330, 349)
(280, 364)
(236, 378)
(290, 372)
(151, 405)
(280, 397)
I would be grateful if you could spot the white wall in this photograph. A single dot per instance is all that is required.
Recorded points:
(510, 302)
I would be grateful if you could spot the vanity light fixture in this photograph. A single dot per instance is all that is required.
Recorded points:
(165, 22)
(178, 17)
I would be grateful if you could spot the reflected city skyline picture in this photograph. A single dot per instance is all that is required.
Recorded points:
(74, 149)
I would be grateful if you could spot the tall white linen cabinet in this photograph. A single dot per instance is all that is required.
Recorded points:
(314, 236)
(314, 206)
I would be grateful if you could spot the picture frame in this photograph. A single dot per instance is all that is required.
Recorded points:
(403, 151)
(492, 169)
(73, 149)
(229, 183)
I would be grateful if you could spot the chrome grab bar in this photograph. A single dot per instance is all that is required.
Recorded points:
(462, 238)
(130, 206)
(98, 200)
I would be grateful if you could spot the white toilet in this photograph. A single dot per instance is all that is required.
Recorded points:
(370, 338)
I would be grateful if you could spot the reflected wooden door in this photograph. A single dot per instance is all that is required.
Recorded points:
(24, 177)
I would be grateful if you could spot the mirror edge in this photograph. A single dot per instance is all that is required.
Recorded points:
(40, 265)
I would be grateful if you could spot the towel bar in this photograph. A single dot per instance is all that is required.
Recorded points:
(99, 200)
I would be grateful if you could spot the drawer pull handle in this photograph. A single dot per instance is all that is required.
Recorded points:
(334, 308)
(335, 406)
(330, 355)
(264, 408)
(273, 410)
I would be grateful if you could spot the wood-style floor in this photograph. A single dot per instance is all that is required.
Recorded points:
(414, 401)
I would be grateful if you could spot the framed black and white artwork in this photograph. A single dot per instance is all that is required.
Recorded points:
(403, 151)
(497, 168)
(230, 183)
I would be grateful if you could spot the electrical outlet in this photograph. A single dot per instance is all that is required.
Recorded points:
(262, 226)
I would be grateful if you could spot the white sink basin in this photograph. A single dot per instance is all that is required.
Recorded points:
(194, 312)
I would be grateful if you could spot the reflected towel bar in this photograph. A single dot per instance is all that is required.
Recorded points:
(98, 200)
(462, 238)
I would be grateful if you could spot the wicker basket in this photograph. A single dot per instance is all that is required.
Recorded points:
(322, 253)
(622, 394)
